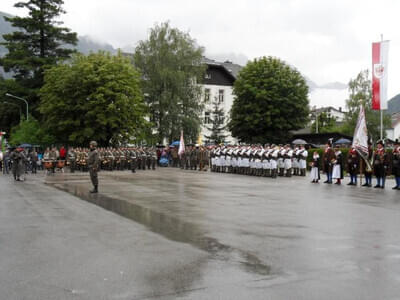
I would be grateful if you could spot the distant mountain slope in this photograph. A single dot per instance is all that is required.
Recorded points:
(394, 105)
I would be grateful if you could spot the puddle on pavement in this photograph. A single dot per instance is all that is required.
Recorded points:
(170, 227)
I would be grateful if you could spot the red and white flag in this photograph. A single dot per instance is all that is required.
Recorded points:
(181, 145)
(379, 74)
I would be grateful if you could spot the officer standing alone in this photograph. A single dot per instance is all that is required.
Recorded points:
(93, 164)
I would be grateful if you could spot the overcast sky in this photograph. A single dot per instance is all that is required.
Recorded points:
(325, 40)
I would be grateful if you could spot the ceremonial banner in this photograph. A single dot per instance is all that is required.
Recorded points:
(379, 74)
(181, 145)
(360, 139)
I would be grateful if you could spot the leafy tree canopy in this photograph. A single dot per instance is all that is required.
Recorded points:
(30, 132)
(171, 64)
(360, 94)
(271, 99)
(95, 97)
(38, 43)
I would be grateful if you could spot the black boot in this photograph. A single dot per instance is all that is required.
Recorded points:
(95, 190)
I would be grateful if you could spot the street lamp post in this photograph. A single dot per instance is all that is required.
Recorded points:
(22, 99)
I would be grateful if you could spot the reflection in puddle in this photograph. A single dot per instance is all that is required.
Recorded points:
(170, 227)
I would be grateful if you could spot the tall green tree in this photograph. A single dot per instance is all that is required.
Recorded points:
(271, 99)
(30, 132)
(39, 42)
(95, 97)
(360, 94)
(217, 128)
(171, 64)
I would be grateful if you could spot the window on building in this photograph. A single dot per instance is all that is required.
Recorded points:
(221, 96)
(207, 119)
(206, 95)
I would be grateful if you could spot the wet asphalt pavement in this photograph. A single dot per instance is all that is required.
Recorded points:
(171, 234)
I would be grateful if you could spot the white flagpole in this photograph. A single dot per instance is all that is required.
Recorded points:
(381, 108)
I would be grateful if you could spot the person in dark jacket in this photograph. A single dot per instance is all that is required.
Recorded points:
(327, 159)
(353, 165)
(381, 165)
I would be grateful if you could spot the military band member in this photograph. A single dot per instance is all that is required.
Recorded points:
(71, 158)
(133, 160)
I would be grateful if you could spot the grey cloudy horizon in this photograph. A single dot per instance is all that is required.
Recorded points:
(327, 41)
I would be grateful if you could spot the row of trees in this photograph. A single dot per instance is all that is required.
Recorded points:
(76, 98)
(150, 96)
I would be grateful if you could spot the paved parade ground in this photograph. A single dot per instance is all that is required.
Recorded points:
(169, 234)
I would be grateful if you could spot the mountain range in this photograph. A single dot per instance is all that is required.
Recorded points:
(85, 43)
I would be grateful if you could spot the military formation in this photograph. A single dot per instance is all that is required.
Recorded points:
(114, 159)
(255, 160)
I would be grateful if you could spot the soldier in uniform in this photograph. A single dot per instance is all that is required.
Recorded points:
(93, 164)
(133, 160)
(153, 158)
(182, 159)
(188, 156)
(15, 160)
(175, 157)
(196, 158)
(281, 164)
(71, 157)
(33, 156)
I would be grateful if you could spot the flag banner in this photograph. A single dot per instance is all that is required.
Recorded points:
(380, 52)
(181, 145)
(360, 138)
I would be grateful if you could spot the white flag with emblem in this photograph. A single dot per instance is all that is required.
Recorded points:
(360, 139)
